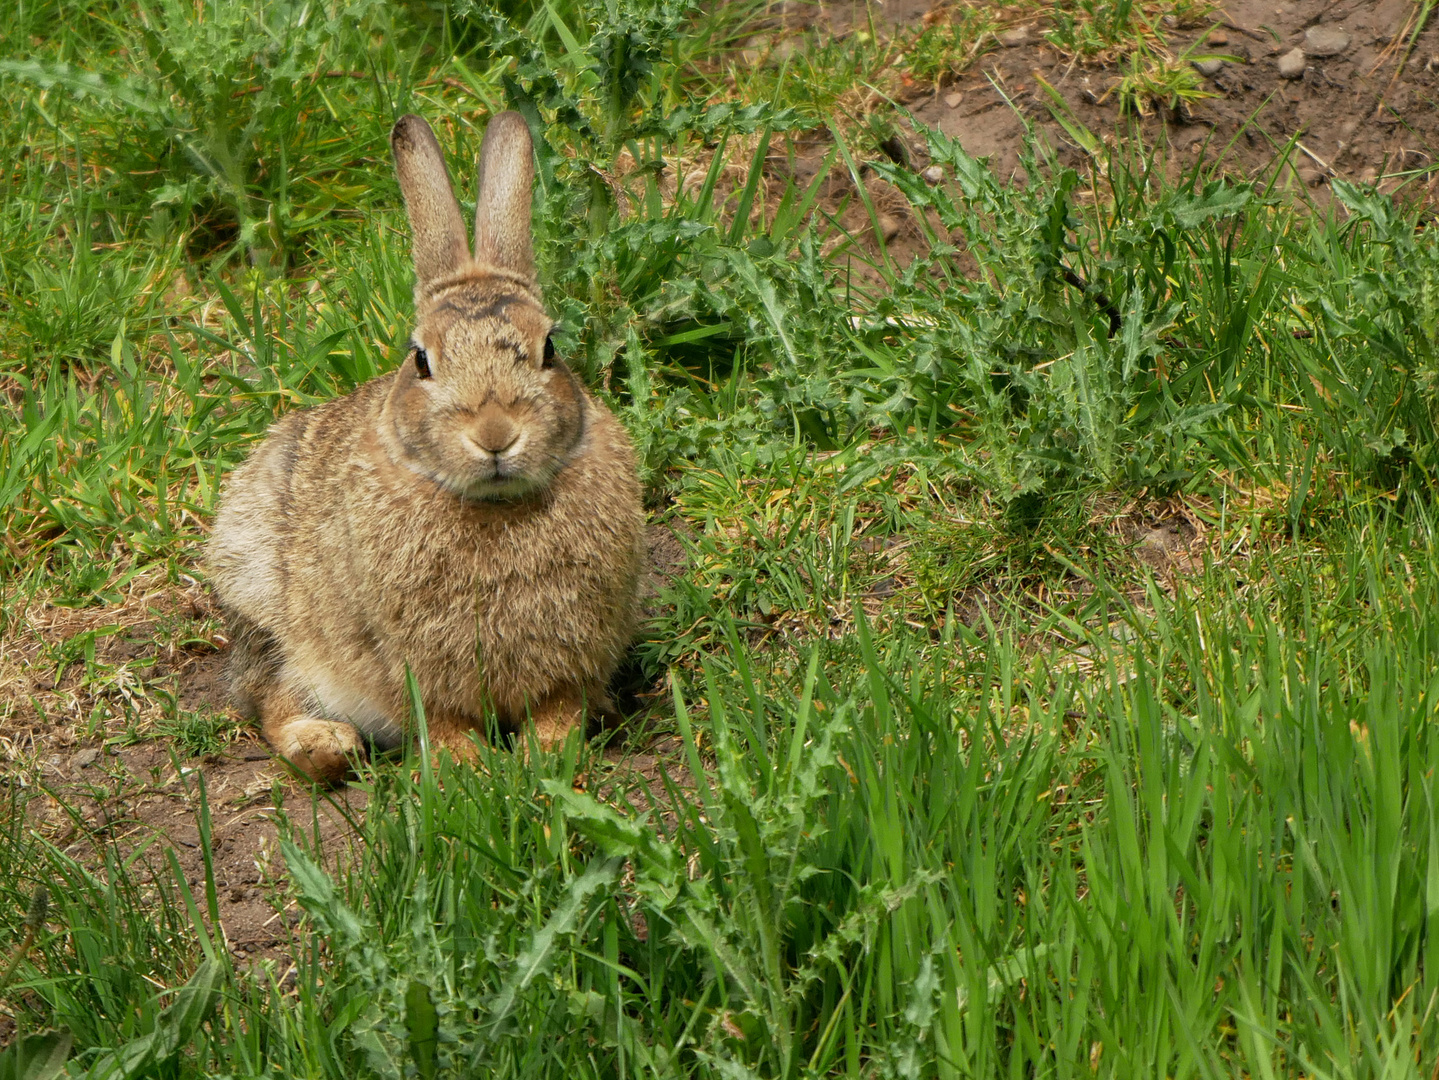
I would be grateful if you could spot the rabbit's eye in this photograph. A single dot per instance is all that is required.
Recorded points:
(422, 363)
(549, 357)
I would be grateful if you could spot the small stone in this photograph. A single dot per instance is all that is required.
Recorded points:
(1012, 39)
(933, 175)
(85, 758)
(1325, 40)
(952, 100)
(1218, 37)
(1291, 64)
(1210, 66)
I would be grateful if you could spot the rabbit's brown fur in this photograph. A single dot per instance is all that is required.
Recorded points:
(476, 517)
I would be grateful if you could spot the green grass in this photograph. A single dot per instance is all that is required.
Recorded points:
(1196, 839)
(959, 786)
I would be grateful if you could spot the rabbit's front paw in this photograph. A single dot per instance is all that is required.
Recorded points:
(554, 719)
(457, 743)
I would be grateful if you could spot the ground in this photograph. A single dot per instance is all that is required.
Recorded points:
(1353, 118)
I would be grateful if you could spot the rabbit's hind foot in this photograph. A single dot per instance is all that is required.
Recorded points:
(323, 750)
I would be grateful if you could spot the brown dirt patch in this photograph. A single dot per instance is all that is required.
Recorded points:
(1368, 113)
(1354, 118)
(136, 796)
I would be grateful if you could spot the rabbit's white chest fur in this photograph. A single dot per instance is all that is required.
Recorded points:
(337, 699)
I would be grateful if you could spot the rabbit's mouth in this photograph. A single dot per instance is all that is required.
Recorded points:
(486, 480)
(498, 490)
(497, 480)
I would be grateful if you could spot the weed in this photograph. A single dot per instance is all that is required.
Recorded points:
(1098, 28)
(942, 50)
(1157, 78)
(198, 733)
(232, 78)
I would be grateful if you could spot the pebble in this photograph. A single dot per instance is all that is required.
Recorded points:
(1325, 40)
(1291, 64)
(85, 758)
(1011, 39)
(1210, 67)
(933, 175)
(1218, 37)
(953, 100)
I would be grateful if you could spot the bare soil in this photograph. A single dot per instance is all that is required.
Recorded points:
(1355, 114)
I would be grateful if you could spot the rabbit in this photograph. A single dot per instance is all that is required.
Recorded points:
(474, 515)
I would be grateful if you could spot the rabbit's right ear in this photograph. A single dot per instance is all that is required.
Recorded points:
(502, 210)
(439, 232)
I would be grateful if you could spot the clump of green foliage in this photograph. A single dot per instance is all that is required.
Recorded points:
(947, 46)
(237, 97)
(1114, 28)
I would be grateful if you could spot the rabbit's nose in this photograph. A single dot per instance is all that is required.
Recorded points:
(494, 433)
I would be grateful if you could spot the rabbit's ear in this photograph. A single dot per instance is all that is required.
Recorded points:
(439, 231)
(502, 212)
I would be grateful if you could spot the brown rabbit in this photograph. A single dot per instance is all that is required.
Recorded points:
(474, 514)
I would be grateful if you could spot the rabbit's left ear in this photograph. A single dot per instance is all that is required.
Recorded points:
(439, 231)
(502, 210)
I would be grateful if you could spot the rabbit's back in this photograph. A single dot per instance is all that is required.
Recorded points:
(265, 503)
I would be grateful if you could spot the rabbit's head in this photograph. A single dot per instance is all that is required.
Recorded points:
(481, 406)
